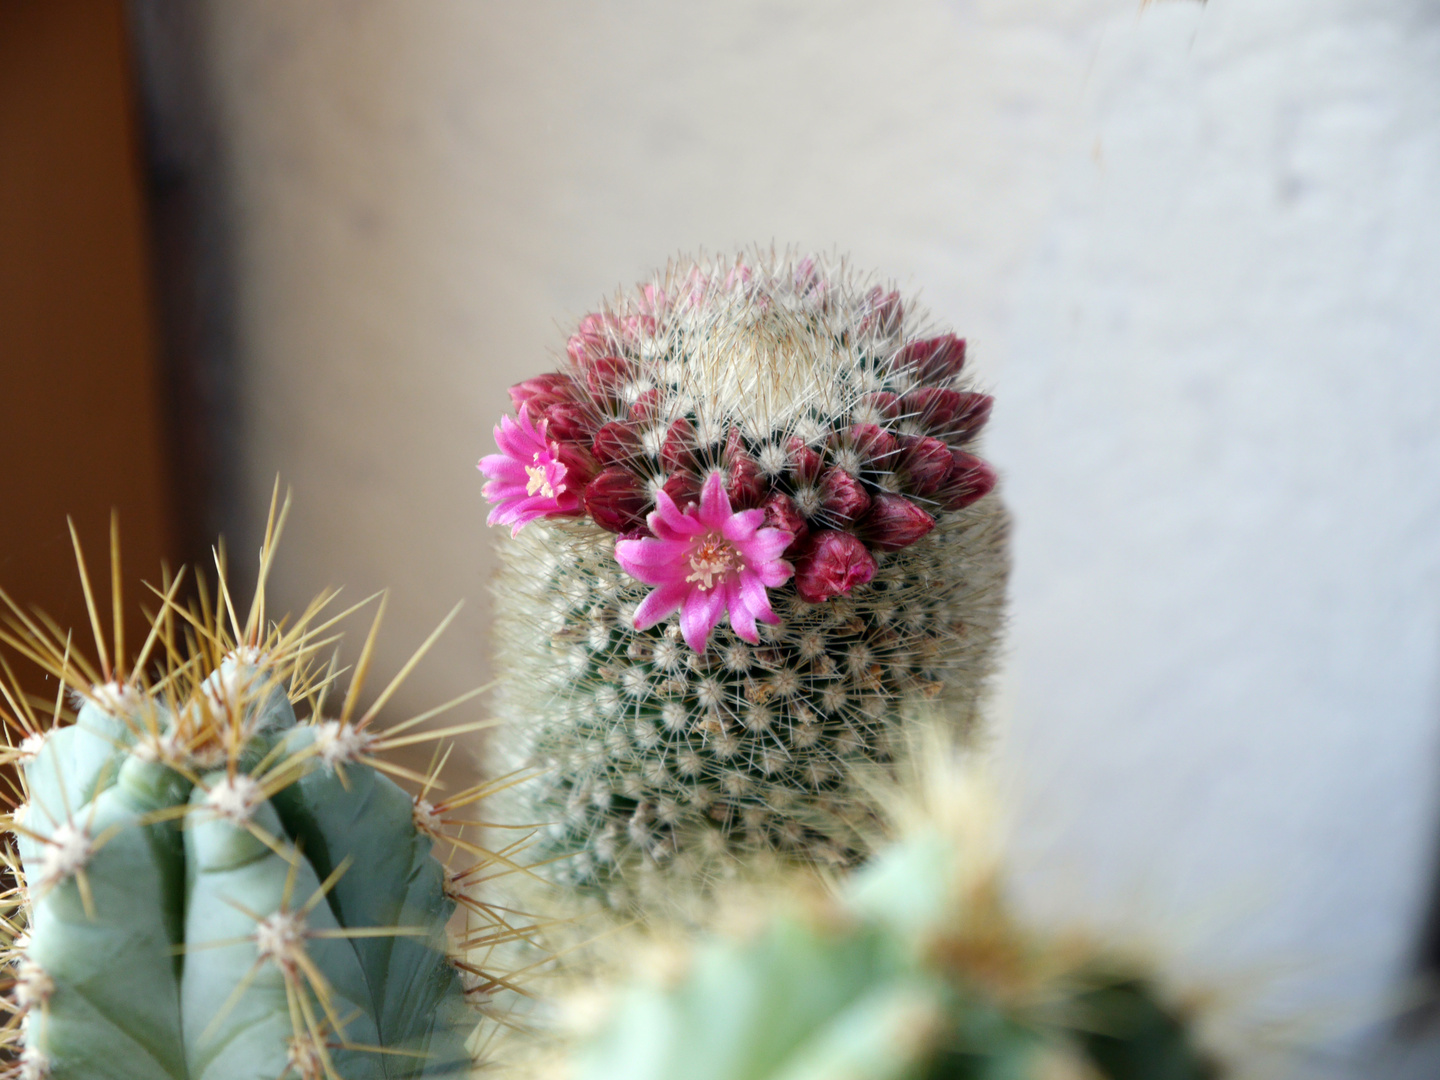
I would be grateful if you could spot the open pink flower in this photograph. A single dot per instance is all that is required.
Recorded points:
(532, 477)
(707, 562)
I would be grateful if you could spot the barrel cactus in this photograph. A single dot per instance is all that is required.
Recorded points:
(749, 535)
(209, 888)
(913, 970)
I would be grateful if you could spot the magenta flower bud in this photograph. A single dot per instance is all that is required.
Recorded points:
(615, 500)
(804, 460)
(781, 513)
(842, 498)
(934, 360)
(970, 479)
(926, 463)
(833, 564)
(616, 443)
(894, 522)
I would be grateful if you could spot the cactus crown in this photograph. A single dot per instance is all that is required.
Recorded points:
(715, 431)
(209, 888)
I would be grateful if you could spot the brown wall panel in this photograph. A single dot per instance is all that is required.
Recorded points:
(80, 412)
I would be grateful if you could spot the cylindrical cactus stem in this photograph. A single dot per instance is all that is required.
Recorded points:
(749, 535)
(213, 889)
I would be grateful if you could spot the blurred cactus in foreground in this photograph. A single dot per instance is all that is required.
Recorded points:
(911, 970)
(768, 443)
(211, 889)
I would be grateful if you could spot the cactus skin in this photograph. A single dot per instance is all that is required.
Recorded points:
(211, 889)
(904, 977)
(813, 396)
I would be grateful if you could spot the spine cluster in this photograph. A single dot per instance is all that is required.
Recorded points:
(823, 408)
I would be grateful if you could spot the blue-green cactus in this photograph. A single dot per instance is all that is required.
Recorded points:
(211, 889)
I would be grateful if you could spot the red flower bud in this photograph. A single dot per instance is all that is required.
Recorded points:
(933, 406)
(606, 375)
(587, 345)
(885, 313)
(934, 360)
(780, 513)
(568, 423)
(970, 416)
(833, 563)
(678, 450)
(842, 499)
(874, 445)
(925, 462)
(970, 479)
(805, 461)
(746, 487)
(883, 402)
(580, 467)
(616, 443)
(894, 522)
(616, 501)
(646, 406)
(544, 390)
(683, 488)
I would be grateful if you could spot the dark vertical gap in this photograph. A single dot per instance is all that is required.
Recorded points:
(193, 265)
(1421, 1016)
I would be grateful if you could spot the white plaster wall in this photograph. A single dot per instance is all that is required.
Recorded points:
(1196, 249)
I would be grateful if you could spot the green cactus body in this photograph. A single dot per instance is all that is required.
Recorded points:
(905, 977)
(177, 928)
(825, 404)
(211, 889)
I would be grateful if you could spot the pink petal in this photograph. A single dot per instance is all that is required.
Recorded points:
(754, 599)
(651, 567)
(660, 604)
(742, 618)
(699, 613)
(500, 491)
(665, 517)
(500, 467)
(652, 553)
(513, 443)
(742, 526)
(714, 503)
(774, 574)
(765, 546)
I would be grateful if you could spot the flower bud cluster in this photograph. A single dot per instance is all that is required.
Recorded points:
(829, 406)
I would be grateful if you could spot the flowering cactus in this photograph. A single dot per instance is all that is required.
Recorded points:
(212, 889)
(749, 533)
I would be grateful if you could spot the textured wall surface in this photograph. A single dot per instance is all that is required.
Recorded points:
(1196, 249)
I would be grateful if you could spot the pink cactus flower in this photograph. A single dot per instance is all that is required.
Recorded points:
(532, 477)
(707, 562)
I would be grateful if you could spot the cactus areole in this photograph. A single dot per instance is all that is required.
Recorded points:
(748, 532)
